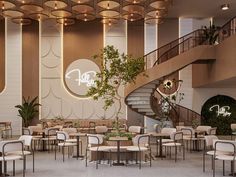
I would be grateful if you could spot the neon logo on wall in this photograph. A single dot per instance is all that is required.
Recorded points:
(80, 76)
(221, 111)
(84, 78)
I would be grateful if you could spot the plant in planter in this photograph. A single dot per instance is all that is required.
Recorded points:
(211, 33)
(116, 70)
(28, 110)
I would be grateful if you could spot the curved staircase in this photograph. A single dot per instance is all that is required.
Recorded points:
(143, 97)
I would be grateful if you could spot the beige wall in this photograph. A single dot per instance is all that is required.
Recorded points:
(2, 54)
(168, 31)
(223, 68)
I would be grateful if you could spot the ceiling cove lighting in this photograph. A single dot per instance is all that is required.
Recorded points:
(67, 12)
(225, 7)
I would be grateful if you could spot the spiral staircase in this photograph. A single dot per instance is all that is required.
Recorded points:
(143, 97)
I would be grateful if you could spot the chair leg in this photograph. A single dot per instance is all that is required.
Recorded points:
(97, 160)
(63, 153)
(24, 166)
(140, 159)
(33, 160)
(86, 158)
(14, 168)
(150, 157)
(233, 169)
(223, 168)
(183, 152)
(213, 166)
(175, 153)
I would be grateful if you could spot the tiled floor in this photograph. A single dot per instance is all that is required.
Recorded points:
(46, 166)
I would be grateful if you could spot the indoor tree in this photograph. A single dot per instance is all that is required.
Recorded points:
(116, 70)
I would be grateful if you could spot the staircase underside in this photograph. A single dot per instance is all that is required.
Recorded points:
(139, 94)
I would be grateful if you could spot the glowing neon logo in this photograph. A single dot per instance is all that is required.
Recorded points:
(83, 78)
(224, 110)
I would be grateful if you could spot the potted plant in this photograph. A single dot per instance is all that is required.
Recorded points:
(116, 70)
(28, 110)
(211, 34)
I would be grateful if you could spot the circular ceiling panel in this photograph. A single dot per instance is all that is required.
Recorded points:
(81, 1)
(6, 5)
(85, 17)
(83, 8)
(12, 13)
(108, 4)
(109, 21)
(135, 1)
(32, 7)
(109, 13)
(153, 20)
(55, 4)
(157, 13)
(132, 17)
(21, 21)
(61, 13)
(160, 4)
(66, 21)
(134, 8)
(38, 16)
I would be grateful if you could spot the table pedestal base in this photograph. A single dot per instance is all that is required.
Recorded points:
(118, 164)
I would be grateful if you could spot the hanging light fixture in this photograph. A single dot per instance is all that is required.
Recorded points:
(6, 5)
(61, 13)
(159, 13)
(153, 20)
(134, 9)
(135, 1)
(132, 16)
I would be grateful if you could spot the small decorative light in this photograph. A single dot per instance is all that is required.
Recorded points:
(225, 7)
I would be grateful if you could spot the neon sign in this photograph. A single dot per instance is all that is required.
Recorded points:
(80, 75)
(224, 110)
(83, 78)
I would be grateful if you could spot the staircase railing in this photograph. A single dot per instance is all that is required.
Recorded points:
(185, 43)
(174, 48)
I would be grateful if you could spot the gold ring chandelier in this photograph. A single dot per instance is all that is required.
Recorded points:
(66, 12)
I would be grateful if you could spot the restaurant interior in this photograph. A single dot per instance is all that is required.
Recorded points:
(122, 88)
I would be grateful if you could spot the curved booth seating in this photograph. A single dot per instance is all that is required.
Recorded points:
(101, 129)
(135, 129)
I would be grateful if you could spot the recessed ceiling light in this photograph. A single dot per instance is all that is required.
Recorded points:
(225, 7)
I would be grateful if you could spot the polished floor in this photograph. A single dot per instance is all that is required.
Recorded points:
(46, 166)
